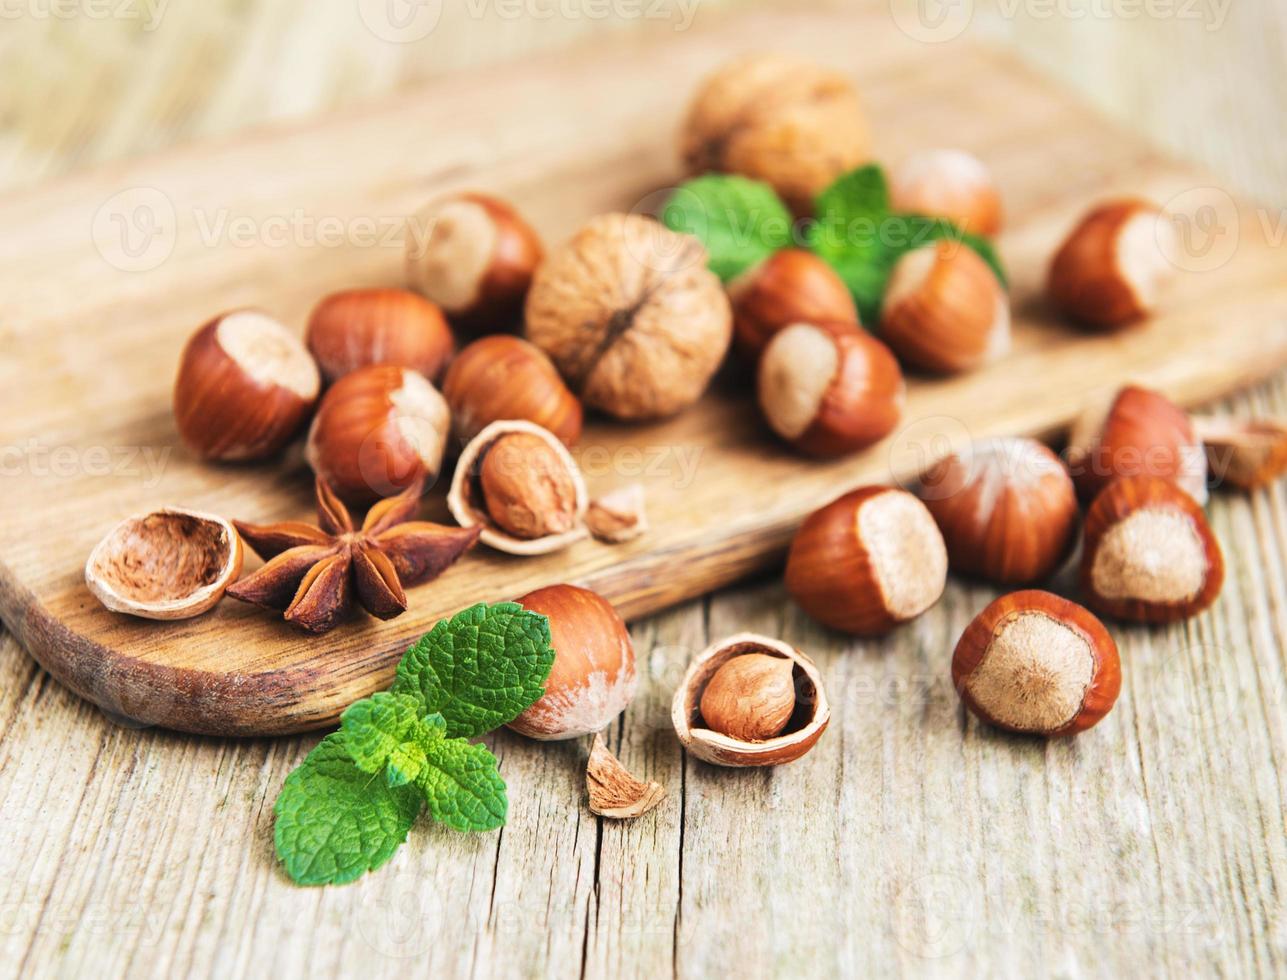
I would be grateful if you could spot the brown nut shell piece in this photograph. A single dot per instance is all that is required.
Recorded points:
(167, 564)
(466, 501)
(803, 731)
(1244, 453)
(614, 791)
(1035, 663)
(631, 316)
(1149, 554)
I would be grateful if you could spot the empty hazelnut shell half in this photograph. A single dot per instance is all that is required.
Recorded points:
(167, 564)
(802, 731)
(470, 505)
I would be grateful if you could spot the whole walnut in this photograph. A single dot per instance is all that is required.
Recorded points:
(783, 120)
(631, 316)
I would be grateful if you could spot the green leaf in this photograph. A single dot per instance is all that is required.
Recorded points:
(335, 822)
(479, 669)
(459, 781)
(740, 221)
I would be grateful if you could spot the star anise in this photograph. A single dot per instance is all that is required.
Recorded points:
(312, 573)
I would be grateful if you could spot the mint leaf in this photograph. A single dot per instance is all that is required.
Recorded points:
(459, 781)
(861, 194)
(479, 669)
(335, 822)
(740, 221)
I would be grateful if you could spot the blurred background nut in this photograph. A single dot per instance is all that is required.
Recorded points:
(245, 387)
(377, 431)
(360, 327)
(781, 119)
(631, 316)
(949, 184)
(474, 256)
(505, 377)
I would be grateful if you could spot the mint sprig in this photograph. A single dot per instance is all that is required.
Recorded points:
(350, 804)
(854, 229)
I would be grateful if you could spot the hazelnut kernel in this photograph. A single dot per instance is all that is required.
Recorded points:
(751, 697)
(526, 488)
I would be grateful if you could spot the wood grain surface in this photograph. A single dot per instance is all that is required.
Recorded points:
(910, 841)
(180, 237)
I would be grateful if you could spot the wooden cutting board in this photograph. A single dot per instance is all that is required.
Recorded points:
(102, 278)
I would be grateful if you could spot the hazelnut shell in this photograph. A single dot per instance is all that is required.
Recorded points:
(949, 184)
(722, 750)
(1136, 565)
(974, 645)
(167, 564)
(791, 286)
(1244, 453)
(360, 327)
(465, 502)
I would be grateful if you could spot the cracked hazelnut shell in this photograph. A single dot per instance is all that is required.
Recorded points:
(781, 119)
(1035, 663)
(468, 500)
(505, 377)
(1244, 453)
(474, 256)
(1135, 432)
(1149, 554)
(949, 184)
(944, 310)
(245, 387)
(168, 564)
(377, 431)
(790, 286)
(593, 677)
(829, 388)
(1110, 270)
(631, 316)
(809, 718)
(360, 327)
(867, 561)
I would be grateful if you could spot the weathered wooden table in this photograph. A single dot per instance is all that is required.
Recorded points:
(913, 839)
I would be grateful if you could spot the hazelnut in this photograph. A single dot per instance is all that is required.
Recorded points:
(829, 388)
(169, 564)
(1149, 554)
(868, 561)
(505, 377)
(474, 256)
(245, 387)
(791, 286)
(360, 327)
(631, 316)
(784, 120)
(751, 697)
(520, 484)
(1244, 453)
(1034, 663)
(1135, 432)
(593, 677)
(734, 724)
(1006, 507)
(378, 431)
(949, 184)
(944, 310)
(1110, 269)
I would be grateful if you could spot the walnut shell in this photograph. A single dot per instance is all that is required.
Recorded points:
(466, 503)
(780, 119)
(631, 316)
(812, 711)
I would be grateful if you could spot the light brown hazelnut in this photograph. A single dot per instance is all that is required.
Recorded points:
(377, 431)
(751, 697)
(631, 316)
(505, 377)
(520, 484)
(949, 184)
(474, 256)
(944, 310)
(780, 119)
(360, 327)
(246, 385)
(791, 286)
